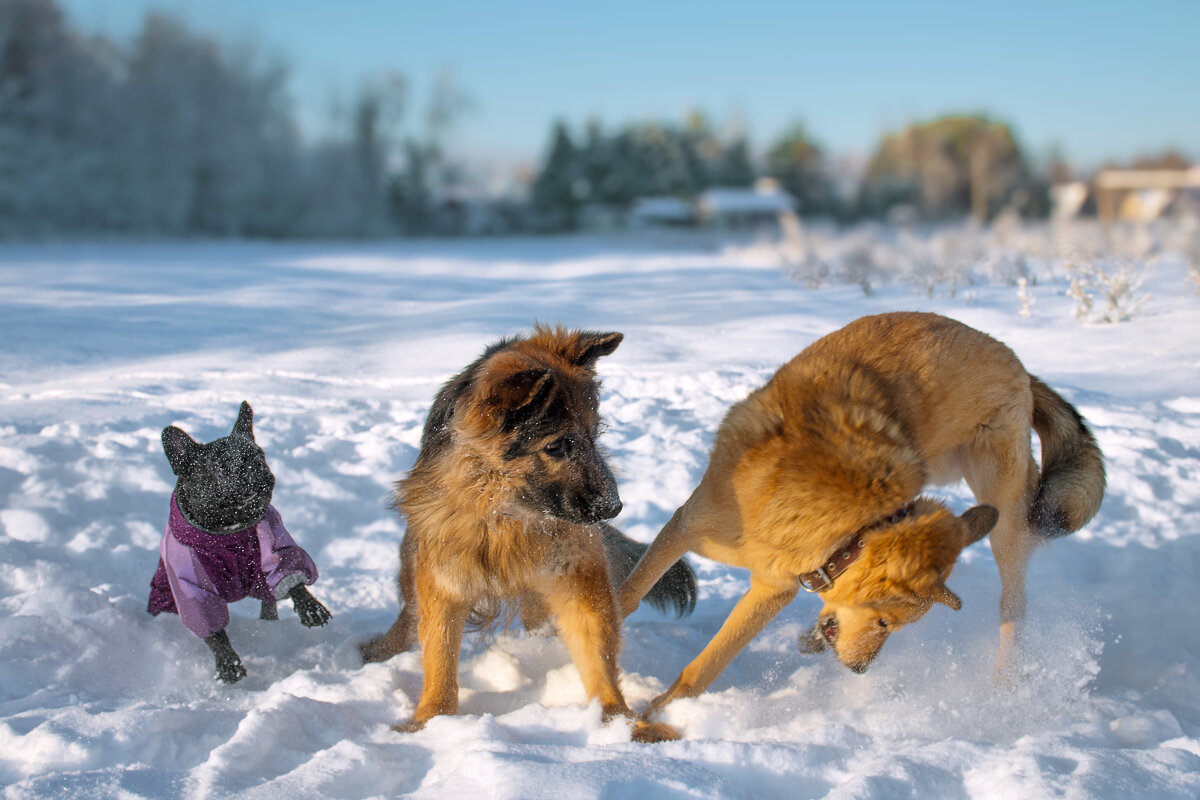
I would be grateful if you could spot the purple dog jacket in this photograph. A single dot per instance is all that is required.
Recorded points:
(200, 573)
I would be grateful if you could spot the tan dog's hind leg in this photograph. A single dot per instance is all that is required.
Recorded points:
(758, 606)
(668, 547)
(443, 618)
(402, 635)
(1001, 472)
(582, 604)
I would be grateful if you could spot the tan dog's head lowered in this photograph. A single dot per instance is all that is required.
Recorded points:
(901, 573)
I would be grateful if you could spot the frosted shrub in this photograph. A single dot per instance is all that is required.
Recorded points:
(1083, 300)
(1118, 288)
(858, 267)
(1102, 268)
(1120, 292)
(848, 257)
(1025, 297)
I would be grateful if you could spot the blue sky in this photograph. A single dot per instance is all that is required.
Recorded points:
(1100, 80)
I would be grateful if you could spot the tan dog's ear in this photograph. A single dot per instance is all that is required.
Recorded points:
(980, 521)
(943, 595)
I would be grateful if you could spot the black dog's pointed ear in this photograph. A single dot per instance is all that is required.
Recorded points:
(591, 346)
(245, 421)
(180, 448)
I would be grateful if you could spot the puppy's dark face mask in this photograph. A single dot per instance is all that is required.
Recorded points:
(223, 486)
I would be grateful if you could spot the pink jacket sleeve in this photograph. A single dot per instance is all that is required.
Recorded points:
(284, 563)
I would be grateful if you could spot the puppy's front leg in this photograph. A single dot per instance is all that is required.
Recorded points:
(443, 617)
(583, 606)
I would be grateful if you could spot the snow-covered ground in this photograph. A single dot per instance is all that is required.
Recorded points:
(340, 349)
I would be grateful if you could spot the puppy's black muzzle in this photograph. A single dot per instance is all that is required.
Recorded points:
(602, 508)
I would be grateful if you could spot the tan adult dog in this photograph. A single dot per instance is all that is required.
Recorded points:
(814, 481)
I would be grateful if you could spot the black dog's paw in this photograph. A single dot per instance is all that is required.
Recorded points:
(229, 665)
(230, 671)
(312, 614)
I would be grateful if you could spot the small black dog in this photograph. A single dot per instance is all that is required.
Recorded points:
(224, 541)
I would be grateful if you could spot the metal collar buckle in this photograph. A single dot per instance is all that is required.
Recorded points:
(808, 581)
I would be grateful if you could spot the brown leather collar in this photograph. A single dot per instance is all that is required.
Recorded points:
(846, 554)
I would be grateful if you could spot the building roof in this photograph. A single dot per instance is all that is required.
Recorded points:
(662, 208)
(758, 200)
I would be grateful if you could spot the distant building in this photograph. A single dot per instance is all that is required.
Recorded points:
(1141, 194)
(1067, 199)
(661, 212)
(600, 217)
(465, 212)
(763, 206)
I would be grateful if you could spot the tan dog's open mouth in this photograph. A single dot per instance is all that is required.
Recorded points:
(829, 629)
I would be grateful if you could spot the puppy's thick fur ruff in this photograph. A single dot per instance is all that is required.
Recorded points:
(505, 504)
(831, 454)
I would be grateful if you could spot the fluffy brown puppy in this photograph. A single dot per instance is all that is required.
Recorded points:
(506, 502)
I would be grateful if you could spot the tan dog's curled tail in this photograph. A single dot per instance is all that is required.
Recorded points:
(1072, 482)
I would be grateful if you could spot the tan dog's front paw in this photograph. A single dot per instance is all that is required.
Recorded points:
(409, 727)
(651, 732)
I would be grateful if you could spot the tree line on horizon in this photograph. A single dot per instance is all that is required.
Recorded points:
(175, 134)
(940, 169)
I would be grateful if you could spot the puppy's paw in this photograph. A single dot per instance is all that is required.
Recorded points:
(376, 650)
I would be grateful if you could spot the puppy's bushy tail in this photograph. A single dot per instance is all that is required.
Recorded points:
(1072, 481)
(675, 590)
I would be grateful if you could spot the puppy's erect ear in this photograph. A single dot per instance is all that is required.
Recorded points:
(521, 395)
(591, 346)
(245, 421)
(980, 521)
(181, 450)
